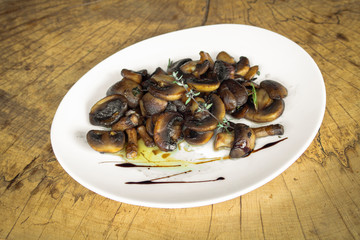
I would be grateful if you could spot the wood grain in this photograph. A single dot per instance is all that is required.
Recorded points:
(46, 46)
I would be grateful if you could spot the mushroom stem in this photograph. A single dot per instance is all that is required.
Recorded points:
(149, 141)
(126, 122)
(226, 140)
(270, 130)
(132, 145)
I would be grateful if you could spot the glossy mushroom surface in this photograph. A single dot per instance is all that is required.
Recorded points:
(244, 141)
(108, 110)
(166, 130)
(131, 90)
(106, 141)
(208, 123)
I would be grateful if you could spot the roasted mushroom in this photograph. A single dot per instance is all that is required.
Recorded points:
(209, 123)
(242, 67)
(275, 89)
(224, 70)
(244, 141)
(268, 114)
(132, 143)
(131, 90)
(151, 105)
(130, 120)
(132, 75)
(163, 86)
(166, 130)
(203, 84)
(233, 94)
(106, 141)
(175, 66)
(108, 110)
(206, 56)
(226, 139)
(197, 138)
(251, 73)
(225, 57)
(148, 140)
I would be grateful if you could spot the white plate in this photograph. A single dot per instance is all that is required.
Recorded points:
(278, 58)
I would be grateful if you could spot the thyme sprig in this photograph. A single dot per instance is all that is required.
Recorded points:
(191, 94)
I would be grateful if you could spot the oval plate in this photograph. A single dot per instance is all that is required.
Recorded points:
(278, 58)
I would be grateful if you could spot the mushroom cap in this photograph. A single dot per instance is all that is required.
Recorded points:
(175, 66)
(108, 110)
(209, 123)
(224, 140)
(163, 86)
(166, 130)
(197, 138)
(268, 114)
(224, 70)
(242, 67)
(225, 57)
(151, 105)
(244, 141)
(239, 94)
(106, 141)
(275, 89)
(203, 84)
(131, 90)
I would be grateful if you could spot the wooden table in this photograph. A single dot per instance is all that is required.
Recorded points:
(46, 46)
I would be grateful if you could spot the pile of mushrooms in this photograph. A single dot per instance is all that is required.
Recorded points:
(153, 107)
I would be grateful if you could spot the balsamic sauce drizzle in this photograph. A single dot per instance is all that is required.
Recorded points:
(269, 145)
(131, 165)
(154, 181)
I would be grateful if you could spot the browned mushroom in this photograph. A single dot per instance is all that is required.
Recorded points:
(149, 141)
(242, 67)
(224, 70)
(106, 141)
(268, 114)
(275, 89)
(163, 86)
(108, 110)
(244, 141)
(251, 73)
(232, 93)
(225, 57)
(132, 143)
(208, 123)
(263, 99)
(130, 120)
(165, 132)
(201, 68)
(131, 90)
(226, 139)
(270, 130)
(132, 75)
(204, 84)
(197, 138)
(151, 105)
(175, 66)
(206, 56)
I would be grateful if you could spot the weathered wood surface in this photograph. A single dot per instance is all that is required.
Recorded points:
(46, 46)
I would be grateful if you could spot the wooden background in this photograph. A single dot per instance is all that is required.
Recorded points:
(46, 46)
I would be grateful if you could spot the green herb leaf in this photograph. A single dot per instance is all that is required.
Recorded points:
(135, 91)
(254, 97)
(258, 73)
(169, 63)
(187, 101)
(208, 106)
